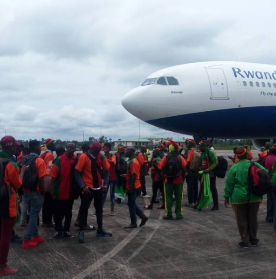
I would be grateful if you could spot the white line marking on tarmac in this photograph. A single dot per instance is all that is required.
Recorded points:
(110, 254)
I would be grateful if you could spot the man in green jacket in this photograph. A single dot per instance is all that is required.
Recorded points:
(245, 208)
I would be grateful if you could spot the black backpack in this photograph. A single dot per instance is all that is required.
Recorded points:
(4, 190)
(221, 168)
(173, 166)
(121, 165)
(258, 181)
(30, 178)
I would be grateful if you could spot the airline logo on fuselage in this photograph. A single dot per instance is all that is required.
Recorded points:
(253, 74)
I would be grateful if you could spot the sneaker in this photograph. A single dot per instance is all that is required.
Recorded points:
(131, 226)
(81, 237)
(148, 206)
(38, 239)
(243, 245)
(195, 206)
(144, 221)
(4, 271)
(187, 204)
(112, 211)
(16, 239)
(103, 233)
(168, 218)
(161, 206)
(67, 235)
(145, 196)
(89, 228)
(179, 217)
(214, 208)
(56, 235)
(26, 244)
(255, 242)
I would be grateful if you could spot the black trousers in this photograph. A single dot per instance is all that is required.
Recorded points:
(157, 185)
(214, 190)
(86, 200)
(47, 209)
(63, 209)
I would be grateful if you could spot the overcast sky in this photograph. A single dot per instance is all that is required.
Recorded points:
(65, 65)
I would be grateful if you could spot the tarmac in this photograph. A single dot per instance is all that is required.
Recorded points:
(202, 245)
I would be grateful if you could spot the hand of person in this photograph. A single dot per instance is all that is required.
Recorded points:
(226, 203)
(206, 171)
(85, 190)
(104, 189)
(24, 168)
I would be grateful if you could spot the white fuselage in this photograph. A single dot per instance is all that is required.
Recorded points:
(216, 99)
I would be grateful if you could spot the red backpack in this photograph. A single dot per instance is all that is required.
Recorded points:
(258, 181)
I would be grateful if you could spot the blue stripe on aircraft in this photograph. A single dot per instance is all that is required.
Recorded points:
(253, 122)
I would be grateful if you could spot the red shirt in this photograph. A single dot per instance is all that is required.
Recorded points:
(112, 175)
(61, 171)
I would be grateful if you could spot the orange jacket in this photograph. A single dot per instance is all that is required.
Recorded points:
(13, 181)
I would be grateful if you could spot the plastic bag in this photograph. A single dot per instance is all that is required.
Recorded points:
(206, 194)
(119, 192)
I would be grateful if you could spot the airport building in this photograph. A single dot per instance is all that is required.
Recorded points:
(148, 142)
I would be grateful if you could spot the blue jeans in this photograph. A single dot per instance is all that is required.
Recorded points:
(133, 207)
(112, 185)
(24, 209)
(143, 185)
(35, 201)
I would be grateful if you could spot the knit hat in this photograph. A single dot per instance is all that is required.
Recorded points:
(8, 141)
(121, 148)
(161, 146)
(241, 153)
(157, 150)
(96, 146)
(273, 148)
(49, 143)
(173, 146)
(191, 141)
(203, 143)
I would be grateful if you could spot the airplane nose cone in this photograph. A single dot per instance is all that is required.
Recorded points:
(133, 102)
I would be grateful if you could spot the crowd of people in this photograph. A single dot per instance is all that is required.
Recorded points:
(31, 182)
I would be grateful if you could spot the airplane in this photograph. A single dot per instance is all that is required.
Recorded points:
(217, 99)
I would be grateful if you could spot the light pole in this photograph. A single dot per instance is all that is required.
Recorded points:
(5, 130)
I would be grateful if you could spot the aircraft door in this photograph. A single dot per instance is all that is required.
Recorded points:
(218, 84)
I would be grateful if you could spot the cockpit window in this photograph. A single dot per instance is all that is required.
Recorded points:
(162, 81)
(172, 81)
(149, 81)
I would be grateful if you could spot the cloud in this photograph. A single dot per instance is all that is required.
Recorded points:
(65, 65)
